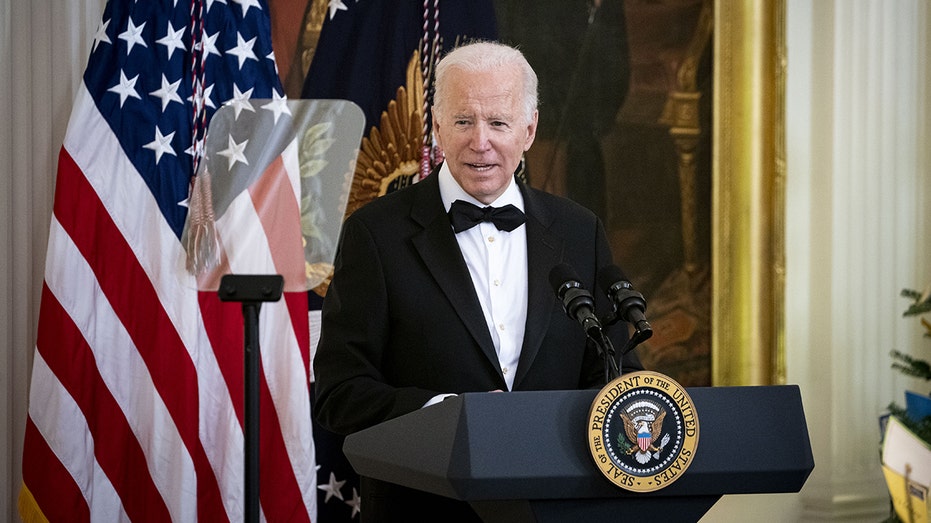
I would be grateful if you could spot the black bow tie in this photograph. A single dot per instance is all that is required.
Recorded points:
(464, 215)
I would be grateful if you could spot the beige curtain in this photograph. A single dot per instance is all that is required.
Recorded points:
(43, 49)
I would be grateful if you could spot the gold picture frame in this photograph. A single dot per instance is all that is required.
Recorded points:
(748, 164)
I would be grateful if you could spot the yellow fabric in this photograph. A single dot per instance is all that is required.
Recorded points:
(910, 500)
(29, 510)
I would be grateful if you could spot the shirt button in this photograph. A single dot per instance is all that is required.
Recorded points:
(500, 326)
(497, 282)
(491, 239)
(504, 370)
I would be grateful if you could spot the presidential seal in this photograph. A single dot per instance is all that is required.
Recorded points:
(643, 431)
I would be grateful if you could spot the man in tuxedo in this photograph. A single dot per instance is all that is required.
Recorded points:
(427, 301)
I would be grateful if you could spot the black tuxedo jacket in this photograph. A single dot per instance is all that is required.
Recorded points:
(402, 322)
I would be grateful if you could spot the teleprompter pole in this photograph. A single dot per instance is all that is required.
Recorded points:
(251, 290)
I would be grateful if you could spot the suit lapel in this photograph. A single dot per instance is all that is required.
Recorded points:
(436, 244)
(544, 251)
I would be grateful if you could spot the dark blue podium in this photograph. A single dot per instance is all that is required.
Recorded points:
(524, 456)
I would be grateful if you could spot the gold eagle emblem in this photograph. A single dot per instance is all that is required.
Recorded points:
(389, 157)
(636, 429)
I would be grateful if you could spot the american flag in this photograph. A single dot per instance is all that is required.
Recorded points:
(136, 398)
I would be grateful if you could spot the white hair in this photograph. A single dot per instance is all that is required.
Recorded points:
(481, 56)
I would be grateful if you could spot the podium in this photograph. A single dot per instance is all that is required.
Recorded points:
(524, 456)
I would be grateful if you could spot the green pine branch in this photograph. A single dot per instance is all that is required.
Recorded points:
(916, 367)
(921, 303)
(904, 363)
(910, 366)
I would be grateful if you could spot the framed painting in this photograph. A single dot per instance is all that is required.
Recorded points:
(626, 93)
(666, 119)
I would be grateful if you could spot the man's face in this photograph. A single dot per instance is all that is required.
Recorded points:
(483, 131)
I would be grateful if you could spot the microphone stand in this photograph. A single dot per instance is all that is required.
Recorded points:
(251, 290)
(606, 348)
(642, 332)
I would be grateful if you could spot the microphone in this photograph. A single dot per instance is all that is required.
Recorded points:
(580, 306)
(629, 304)
(576, 301)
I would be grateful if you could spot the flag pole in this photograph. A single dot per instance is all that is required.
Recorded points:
(251, 291)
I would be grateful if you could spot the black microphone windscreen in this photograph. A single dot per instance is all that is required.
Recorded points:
(609, 275)
(560, 274)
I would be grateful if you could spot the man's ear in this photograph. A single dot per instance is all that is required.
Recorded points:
(532, 130)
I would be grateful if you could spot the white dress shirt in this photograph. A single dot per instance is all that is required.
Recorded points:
(497, 261)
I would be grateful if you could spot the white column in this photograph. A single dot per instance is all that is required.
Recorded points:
(857, 223)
